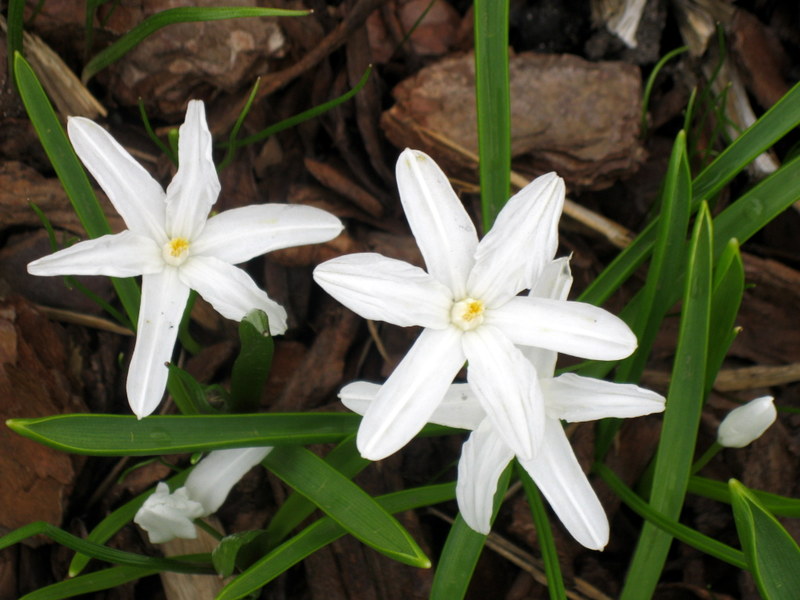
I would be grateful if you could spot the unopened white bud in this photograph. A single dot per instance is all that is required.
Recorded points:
(747, 423)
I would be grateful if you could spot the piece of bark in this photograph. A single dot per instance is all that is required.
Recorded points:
(37, 379)
(333, 178)
(189, 60)
(578, 118)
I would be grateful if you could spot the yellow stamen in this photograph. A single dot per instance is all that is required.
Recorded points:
(467, 314)
(176, 251)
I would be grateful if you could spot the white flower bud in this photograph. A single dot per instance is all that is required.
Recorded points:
(747, 423)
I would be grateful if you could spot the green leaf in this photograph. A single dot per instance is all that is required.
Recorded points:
(122, 435)
(681, 416)
(252, 366)
(100, 552)
(117, 519)
(228, 553)
(772, 555)
(493, 105)
(461, 551)
(544, 536)
(346, 459)
(14, 32)
(169, 17)
(345, 502)
(321, 533)
(670, 526)
(726, 297)
(716, 490)
(69, 171)
(91, 582)
(188, 393)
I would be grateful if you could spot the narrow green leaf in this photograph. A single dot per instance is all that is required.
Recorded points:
(345, 502)
(716, 490)
(122, 435)
(670, 526)
(772, 555)
(69, 171)
(681, 416)
(252, 366)
(98, 551)
(14, 31)
(544, 535)
(493, 105)
(230, 154)
(91, 582)
(169, 17)
(117, 519)
(320, 534)
(188, 393)
(346, 459)
(726, 297)
(461, 551)
(228, 552)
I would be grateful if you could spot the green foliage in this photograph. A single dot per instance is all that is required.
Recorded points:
(252, 366)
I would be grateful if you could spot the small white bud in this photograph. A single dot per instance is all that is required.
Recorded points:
(747, 423)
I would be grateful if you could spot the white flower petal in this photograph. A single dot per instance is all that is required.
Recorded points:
(459, 408)
(574, 398)
(523, 239)
(444, 232)
(386, 289)
(138, 198)
(562, 481)
(554, 282)
(195, 187)
(231, 291)
(163, 301)
(166, 516)
(573, 328)
(124, 254)
(747, 423)
(411, 394)
(240, 234)
(505, 383)
(213, 478)
(483, 458)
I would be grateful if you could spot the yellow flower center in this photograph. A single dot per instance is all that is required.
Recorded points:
(467, 314)
(176, 251)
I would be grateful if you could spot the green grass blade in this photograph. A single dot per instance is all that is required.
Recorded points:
(493, 105)
(69, 171)
(115, 521)
(726, 297)
(681, 416)
(346, 459)
(345, 502)
(100, 552)
(123, 435)
(779, 120)
(544, 536)
(772, 554)
(672, 527)
(716, 490)
(252, 365)
(14, 30)
(300, 117)
(91, 582)
(667, 262)
(321, 533)
(169, 17)
(461, 551)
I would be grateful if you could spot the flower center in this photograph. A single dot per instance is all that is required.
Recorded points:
(467, 313)
(176, 251)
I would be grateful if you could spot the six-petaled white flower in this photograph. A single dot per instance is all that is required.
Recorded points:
(467, 304)
(165, 516)
(173, 244)
(555, 470)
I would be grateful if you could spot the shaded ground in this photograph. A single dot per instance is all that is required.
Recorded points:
(577, 107)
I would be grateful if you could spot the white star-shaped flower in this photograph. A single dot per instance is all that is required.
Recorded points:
(555, 470)
(468, 305)
(173, 244)
(165, 516)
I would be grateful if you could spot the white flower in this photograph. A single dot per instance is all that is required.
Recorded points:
(554, 469)
(468, 305)
(747, 423)
(175, 247)
(165, 516)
